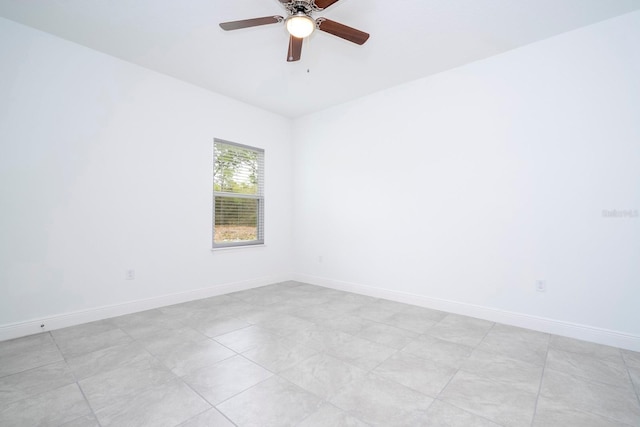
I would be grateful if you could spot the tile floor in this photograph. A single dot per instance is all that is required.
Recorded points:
(293, 354)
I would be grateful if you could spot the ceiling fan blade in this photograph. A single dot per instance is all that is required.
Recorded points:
(323, 4)
(342, 31)
(255, 22)
(295, 49)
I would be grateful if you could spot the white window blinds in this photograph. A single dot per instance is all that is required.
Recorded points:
(238, 194)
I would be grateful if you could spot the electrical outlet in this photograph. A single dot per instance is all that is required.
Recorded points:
(130, 275)
(541, 286)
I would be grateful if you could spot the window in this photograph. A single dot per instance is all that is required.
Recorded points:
(238, 195)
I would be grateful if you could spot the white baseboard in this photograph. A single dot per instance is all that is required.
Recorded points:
(551, 326)
(58, 321)
(568, 329)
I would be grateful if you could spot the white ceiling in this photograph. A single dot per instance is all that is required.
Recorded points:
(409, 39)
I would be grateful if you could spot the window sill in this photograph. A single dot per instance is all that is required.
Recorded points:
(235, 248)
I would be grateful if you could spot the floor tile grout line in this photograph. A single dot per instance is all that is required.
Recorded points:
(469, 412)
(77, 383)
(322, 399)
(212, 405)
(274, 375)
(315, 353)
(209, 366)
(371, 371)
(93, 412)
(484, 337)
(33, 369)
(134, 342)
(458, 370)
(597, 382)
(544, 368)
(586, 411)
(74, 355)
(590, 343)
(305, 418)
(367, 339)
(438, 394)
(121, 398)
(636, 390)
(238, 393)
(193, 417)
(605, 361)
(403, 385)
(190, 372)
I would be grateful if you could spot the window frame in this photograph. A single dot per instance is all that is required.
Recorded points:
(259, 197)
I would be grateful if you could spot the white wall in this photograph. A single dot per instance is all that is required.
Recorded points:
(106, 166)
(504, 167)
(462, 189)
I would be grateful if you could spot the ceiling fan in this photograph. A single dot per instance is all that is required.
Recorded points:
(300, 24)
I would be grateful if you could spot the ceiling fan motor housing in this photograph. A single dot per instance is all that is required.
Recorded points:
(305, 6)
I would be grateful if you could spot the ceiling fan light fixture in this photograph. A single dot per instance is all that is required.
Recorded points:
(300, 25)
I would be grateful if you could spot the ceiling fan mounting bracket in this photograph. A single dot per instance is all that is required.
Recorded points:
(305, 6)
